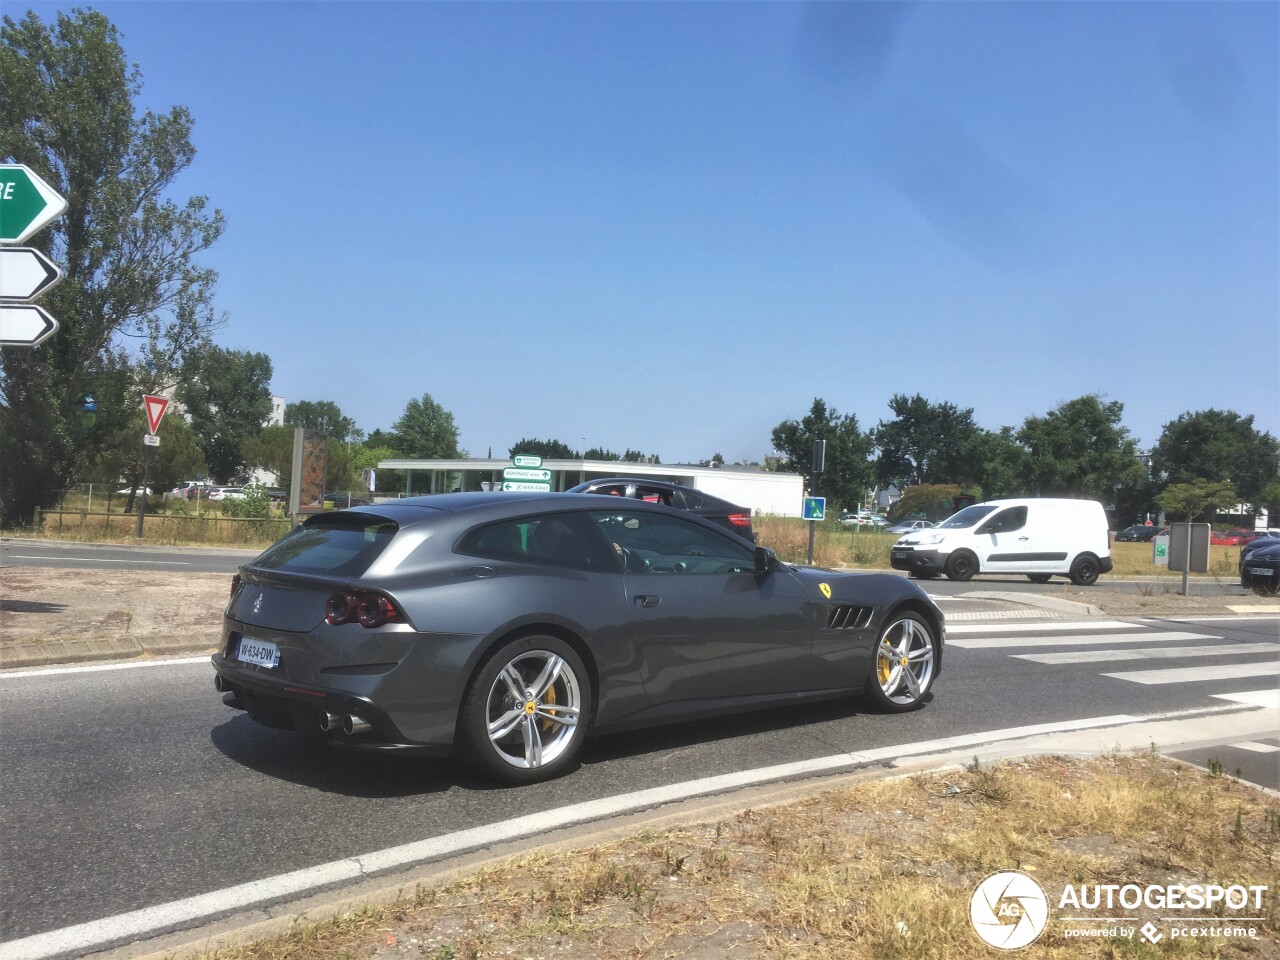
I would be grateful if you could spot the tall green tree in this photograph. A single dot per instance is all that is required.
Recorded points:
(133, 288)
(997, 463)
(228, 400)
(925, 443)
(1080, 449)
(426, 431)
(1218, 445)
(599, 453)
(847, 474)
(1197, 498)
(547, 449)
(323, 416)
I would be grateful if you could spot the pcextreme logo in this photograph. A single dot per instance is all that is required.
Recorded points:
(1009, 910)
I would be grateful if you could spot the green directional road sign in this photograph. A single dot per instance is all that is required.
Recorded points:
(27, 203)
(525, 486)
(519, 473)
(526, 460)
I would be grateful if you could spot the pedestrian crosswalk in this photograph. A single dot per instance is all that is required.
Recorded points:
(1111, 643)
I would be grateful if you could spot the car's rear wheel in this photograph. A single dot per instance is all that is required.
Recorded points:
(961, 565)
(527, 710)
(1085, 570)
(903, 664)
(1039, 577)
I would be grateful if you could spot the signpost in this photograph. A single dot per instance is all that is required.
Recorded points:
(814, 509)
(155, 408)
(27, 203)
(527, 476)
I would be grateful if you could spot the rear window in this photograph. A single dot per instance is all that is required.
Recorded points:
(345, 545)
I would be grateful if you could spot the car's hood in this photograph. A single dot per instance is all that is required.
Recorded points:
(1266, 550)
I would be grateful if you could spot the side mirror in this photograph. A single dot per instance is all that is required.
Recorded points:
(766, 560)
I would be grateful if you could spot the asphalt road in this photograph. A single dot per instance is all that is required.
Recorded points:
(45, 553)
(131, 787)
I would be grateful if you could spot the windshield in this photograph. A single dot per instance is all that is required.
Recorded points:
(967, 517)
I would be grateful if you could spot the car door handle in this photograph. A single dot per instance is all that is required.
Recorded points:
(648, 600)
(1023, 539)
(482, 572)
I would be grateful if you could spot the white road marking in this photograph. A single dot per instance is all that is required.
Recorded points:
(96, 667)
(1030, 643)
(1269, 698)
(1192, 674)
(1254, 747)
(1147, 653)
(140, 923)
(176, 563)
(1057, 627)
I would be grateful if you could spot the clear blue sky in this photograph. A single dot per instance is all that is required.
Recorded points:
(670, 226)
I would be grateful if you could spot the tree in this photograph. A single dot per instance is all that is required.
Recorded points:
(547, 449)
(323, 416)
(997, 463)
(598, 453)
(1198, 497)
(1080, 449)
(847, 473)
(925, 500)
(426, 431)
(635, 456)
(925, 443)
(228, 400)
(1218, 445)
(271, 450)
(132, 289)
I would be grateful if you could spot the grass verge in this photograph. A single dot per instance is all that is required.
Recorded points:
(878, 871)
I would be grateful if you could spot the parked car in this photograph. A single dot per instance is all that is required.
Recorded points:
(732, 517)
(125, 491)
(1139, 533)
(225, 493)
(190, 488)
(1039, 537)
(508, 627)
(907, 526)
(1248, 536)
(862, 519)
(341, 501)
(1260, 567)
(1230, 538)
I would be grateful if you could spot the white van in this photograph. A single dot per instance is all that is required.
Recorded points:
(1036, 536)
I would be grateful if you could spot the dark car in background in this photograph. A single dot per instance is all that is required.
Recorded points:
(732, 517)
(1139, 533)
(1260, 566)
(507, 627)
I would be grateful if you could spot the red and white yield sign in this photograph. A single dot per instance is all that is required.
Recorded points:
(155, 407)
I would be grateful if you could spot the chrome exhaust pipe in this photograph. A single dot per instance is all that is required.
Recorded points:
(353, 725)
(329, 722)
(219, 684)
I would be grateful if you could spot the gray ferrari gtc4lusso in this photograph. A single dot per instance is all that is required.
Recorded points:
(507, 627)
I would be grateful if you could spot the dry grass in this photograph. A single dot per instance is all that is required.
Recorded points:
(873, 872)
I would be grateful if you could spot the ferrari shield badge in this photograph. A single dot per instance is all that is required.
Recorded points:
(826, 590)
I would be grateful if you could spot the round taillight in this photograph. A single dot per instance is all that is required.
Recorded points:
(340, 608)
(375, 611)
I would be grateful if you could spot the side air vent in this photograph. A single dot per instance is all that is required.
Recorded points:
(848, 618)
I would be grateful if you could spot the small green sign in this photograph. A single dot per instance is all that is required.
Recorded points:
(1162, 549)
(526, 460)
(27, 203)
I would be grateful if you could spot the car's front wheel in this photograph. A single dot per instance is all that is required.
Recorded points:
(1085, 570)
(961, 565)
(903, 664)
(527, 710)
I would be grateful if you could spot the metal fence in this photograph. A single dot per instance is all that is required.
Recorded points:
(87, 525)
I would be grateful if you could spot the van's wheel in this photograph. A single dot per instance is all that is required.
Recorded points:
(903, 664)
(1039, 577)
(961, 565)
(1084, 571)
(527, 710)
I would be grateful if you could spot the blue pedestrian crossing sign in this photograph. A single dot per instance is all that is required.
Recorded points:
(815, 508)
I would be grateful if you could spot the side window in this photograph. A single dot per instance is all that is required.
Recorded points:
(650, 543)
(1006, 521)
(559, 539)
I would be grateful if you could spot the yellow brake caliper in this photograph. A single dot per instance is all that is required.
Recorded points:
(551, 698)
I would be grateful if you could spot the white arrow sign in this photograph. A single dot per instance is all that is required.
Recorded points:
(25, 273)
(25, 325)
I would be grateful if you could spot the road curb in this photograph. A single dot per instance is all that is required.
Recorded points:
(1057, 604)
(85, 651)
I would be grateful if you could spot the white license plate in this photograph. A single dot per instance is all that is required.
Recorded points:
(261, 652)
(1261, 571)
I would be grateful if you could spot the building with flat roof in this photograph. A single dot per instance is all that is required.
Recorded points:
(778, 494)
